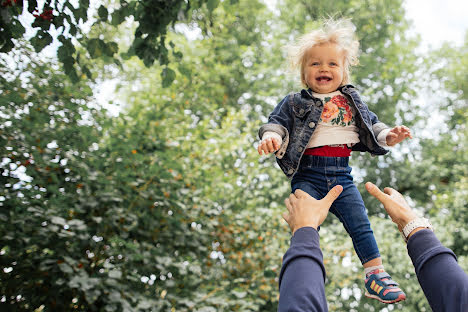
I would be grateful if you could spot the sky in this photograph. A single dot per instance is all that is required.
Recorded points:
(438, 20)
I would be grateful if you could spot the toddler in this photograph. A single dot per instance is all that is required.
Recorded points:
(313, 132)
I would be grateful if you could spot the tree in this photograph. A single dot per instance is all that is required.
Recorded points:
(66, 18)
(168, 206)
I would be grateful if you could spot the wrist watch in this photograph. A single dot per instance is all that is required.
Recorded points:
(416, 223)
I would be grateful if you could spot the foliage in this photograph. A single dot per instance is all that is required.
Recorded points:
(66, 19)
(168, 207)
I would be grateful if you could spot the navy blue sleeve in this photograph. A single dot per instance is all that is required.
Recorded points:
(443, 281)
(302, 276)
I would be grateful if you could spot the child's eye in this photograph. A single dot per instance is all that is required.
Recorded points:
(315, 64)
(333, 64)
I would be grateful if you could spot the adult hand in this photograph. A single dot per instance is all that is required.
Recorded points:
(398, 134)
(268, 146)
(394, 203)
(304, 210)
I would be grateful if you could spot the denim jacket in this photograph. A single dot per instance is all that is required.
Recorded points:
(297, 115)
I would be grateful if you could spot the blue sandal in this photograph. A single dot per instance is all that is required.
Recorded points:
(380, 286)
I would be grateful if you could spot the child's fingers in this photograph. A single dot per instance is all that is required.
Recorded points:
(276, 145)
(259, 148)
(270, 147)
(262, 148)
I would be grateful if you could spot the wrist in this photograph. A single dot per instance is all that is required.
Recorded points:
(415, 230)
(414, 226)
(310, 225)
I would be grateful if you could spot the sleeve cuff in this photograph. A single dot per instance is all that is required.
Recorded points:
(382, 137)
(271, 134)
(423, 245)
(306, 235)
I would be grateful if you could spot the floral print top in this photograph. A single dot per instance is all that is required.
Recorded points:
(336, 124)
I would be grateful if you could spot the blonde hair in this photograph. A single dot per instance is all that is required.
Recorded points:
(340, 32)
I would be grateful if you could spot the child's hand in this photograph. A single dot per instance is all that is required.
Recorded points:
(268, 146)
(398, 134)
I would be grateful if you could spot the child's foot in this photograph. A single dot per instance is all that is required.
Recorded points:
(380, 286)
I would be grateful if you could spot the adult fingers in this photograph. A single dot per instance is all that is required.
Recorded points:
(285, 216)
(333, 194)
(292, 199)
(300, 193)
(376, 192)
(390, 191)
(287, 202)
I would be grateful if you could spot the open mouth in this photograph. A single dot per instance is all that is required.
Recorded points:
(323, 79)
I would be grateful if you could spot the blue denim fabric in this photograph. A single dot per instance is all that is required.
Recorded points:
(317, 175)
(296, 117)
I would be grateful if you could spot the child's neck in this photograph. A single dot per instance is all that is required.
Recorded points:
(321, 95)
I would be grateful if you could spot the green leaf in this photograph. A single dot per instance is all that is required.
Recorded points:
(185, 70)
(212, 4)
(110, 48)
(118, 16)
(94, 47)
(103, 13)
(168, 76)
(41, 40)
(87, 72)
(178, 55)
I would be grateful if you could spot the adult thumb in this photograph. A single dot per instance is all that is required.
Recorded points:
(376, 192)
(333, 194)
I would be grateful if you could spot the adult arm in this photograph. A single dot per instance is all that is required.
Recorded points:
(443, 281)
(302, 276)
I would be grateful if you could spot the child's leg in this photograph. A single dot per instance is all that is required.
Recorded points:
(310, 180)
(350, 209)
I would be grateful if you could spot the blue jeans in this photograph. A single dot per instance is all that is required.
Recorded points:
(317, 175)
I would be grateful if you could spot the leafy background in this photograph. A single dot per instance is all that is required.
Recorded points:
(165, 205)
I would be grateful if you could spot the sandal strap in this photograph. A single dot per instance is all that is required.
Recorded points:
(382, 275)
(389, 283)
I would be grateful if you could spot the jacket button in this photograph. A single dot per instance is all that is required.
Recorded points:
(290, 171)
(319, 102)
(301, 111)
(300, 149)
(311, 124)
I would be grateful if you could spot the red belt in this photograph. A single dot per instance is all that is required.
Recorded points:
(329, 151)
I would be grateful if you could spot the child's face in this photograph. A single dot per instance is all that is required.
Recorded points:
(324, 68)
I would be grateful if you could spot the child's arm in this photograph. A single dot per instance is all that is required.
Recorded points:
(388, 136)
(274, 135)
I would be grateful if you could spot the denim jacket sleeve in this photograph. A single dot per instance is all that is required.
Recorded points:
(280, 121)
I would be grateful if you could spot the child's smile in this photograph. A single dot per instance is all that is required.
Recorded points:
(324, 68)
